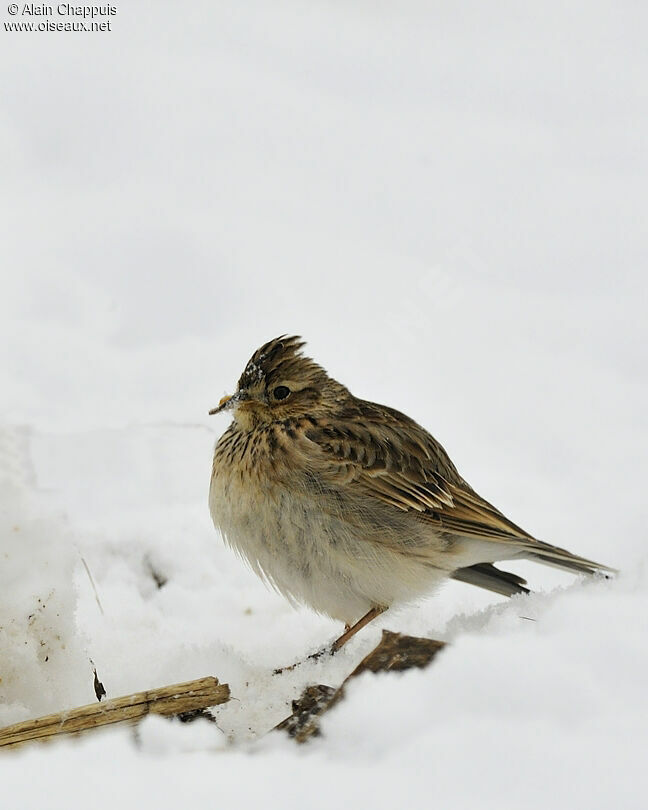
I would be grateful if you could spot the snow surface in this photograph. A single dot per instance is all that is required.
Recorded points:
(448, 202)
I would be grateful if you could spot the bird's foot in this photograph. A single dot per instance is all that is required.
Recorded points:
(331, 649)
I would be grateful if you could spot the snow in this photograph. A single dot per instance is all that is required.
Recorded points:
(43, 661)
(448, 203)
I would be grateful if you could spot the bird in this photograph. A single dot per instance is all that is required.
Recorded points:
(350, 507)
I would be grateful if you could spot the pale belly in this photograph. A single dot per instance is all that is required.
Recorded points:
(313, 553)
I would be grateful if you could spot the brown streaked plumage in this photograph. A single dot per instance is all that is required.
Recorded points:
(349, 506)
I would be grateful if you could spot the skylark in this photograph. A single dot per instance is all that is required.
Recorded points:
(348, 506)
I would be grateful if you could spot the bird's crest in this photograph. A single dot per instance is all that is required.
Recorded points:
(277, 359)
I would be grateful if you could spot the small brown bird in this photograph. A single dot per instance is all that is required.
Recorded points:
(348, 506)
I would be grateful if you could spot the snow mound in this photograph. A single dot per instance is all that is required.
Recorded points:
(43, 666)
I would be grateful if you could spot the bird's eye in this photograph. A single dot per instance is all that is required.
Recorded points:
(281, 392)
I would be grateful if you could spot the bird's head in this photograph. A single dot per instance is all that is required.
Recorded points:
(279, 383)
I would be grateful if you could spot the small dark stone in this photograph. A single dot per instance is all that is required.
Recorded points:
(99, 689)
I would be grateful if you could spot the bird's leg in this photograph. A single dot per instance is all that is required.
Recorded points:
(350, 631)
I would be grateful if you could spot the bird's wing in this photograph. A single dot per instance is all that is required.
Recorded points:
(381, 453)
(384, 454)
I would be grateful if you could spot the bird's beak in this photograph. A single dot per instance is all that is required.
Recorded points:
(229, 402)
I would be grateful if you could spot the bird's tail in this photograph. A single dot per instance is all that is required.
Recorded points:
(487, 576)
(561, 558)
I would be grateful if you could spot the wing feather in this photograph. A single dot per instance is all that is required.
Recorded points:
(381, 453)
(384, 454)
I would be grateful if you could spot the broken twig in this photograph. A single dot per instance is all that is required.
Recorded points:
(178, 698)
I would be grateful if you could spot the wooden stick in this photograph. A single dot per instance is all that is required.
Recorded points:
(167, 700)
(395, 653)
